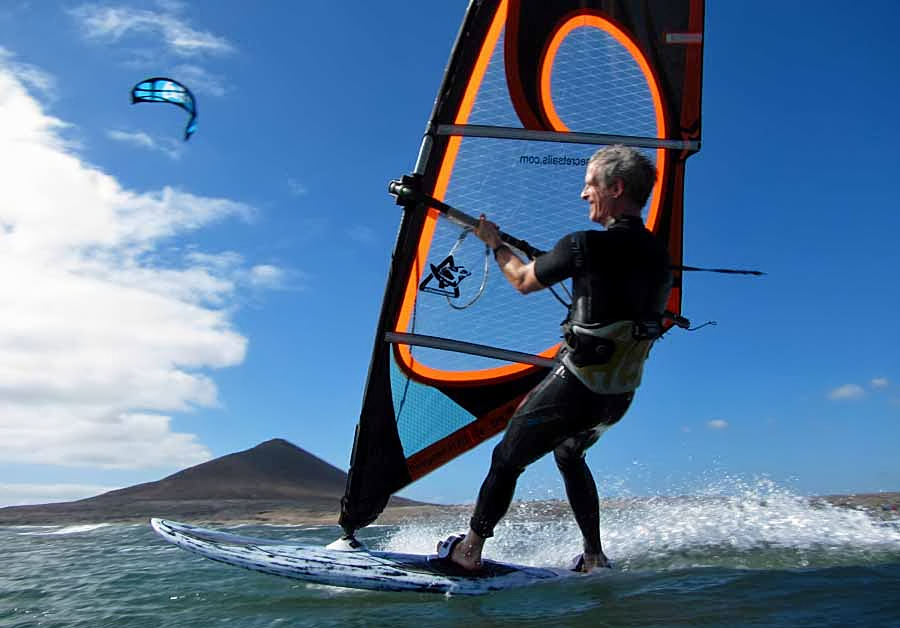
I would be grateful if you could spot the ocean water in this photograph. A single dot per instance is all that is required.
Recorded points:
(739, 561)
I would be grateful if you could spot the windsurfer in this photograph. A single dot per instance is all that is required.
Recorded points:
(620, 284)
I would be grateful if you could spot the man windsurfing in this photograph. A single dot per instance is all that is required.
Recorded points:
(620, 284)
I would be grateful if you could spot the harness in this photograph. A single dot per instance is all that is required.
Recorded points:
(609, 359)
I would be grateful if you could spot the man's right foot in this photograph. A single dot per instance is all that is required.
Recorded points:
(594, 561)
(586, 563)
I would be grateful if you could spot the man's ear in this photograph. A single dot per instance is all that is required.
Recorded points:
(617, 188)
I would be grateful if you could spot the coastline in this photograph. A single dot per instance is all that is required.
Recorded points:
(325, 512)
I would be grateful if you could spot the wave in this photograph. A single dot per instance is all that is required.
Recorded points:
(70, 529)
(756, 525)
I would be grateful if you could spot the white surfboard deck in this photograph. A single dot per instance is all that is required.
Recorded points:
(358, 569)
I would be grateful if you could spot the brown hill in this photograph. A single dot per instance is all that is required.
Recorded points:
(275, 469)
(273, 477)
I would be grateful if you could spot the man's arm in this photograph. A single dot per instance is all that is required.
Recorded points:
(520, 274)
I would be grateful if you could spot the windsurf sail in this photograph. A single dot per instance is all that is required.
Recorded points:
(531, 91)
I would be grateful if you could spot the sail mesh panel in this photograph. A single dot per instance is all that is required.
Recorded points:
(598, 86)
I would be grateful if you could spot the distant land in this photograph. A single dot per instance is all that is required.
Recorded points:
(278, 482)
(274, 481)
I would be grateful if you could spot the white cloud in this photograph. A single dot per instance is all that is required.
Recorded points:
(23, 121)
(717, 424)
(142, 140)
(266, 276)
(28, 74)
(879, 383)
(115, 23)
(847, 391)
(102, 333)
(200, 80)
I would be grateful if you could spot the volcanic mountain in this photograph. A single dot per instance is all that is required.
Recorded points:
(273, 476)
(275, 469)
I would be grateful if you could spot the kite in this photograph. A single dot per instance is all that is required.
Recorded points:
(166, 90)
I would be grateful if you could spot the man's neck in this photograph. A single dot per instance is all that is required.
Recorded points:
(625, 219)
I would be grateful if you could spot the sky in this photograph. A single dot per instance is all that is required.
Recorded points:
(163, 303)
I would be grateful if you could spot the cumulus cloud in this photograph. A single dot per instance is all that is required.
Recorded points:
(879, 383)
(30, 75)
(112, 24)
(717, 424)
(847, 391)
(103, 335)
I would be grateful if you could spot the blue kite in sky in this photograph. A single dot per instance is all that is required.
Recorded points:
(162, 89)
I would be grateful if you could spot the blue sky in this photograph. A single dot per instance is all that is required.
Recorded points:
(165, 302)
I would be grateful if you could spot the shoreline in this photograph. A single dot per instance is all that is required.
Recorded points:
(325, 512)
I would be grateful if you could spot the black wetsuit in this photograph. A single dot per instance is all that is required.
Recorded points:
(618, 274)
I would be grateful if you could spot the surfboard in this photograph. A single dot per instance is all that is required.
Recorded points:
(357, 568)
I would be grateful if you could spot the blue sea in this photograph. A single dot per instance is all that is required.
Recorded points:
(741, 561)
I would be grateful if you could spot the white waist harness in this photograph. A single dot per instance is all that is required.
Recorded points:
(609, 359)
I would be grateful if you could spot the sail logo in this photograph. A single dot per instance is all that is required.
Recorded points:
(444, 278)
(552, 160)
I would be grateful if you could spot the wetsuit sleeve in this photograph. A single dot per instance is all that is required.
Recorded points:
(560, 263)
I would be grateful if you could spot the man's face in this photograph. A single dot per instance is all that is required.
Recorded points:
(598, 196)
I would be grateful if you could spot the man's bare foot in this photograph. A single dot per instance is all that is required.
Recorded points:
(466, 552)
(586, 563)
(594, 561)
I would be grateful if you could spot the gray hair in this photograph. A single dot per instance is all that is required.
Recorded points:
(638, 173)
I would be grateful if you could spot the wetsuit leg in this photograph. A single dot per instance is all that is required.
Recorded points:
(521, 445)
(581, 489)
(558, 408)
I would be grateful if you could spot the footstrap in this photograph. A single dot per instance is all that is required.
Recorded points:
(445, 547)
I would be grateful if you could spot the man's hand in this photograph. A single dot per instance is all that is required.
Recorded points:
(488, 232)
(520, 274)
